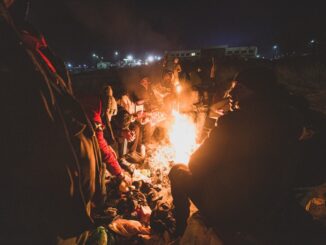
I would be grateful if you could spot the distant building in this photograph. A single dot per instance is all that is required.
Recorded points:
(245, 52)
(184, 54)
(216, 51)
(103, 65)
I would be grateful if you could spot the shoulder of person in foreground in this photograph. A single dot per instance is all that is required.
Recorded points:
(210, 154)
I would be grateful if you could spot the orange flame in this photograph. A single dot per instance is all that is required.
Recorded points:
(182, 134)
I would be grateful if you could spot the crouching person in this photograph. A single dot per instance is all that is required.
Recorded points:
(241, 177)
(100, 109)
(128, 136)
(128, 130)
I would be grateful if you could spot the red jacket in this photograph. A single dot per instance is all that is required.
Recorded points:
(93, 108)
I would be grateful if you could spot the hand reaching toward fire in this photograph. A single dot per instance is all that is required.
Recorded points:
(129, 135)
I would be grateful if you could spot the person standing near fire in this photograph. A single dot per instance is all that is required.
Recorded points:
(144, 97)
(100, 109)
(176, 71)
(164, 91)
(50, 157)
(126, 123)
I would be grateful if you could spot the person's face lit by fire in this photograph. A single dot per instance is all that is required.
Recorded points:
(108, 91)
(145, 82)
(167, 79)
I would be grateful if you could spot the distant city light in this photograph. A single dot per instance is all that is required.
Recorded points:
(312, 41)
(275, 47)
(116, 53)
(159, 57)
(130, 57)
(96, 56)
(258, 56)
(85, 66)
(150, 58)
(193, 54)
(69, 65)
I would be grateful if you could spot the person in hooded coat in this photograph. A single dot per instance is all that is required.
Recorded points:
(241, 178)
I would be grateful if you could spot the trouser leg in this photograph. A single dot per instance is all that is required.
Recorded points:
(181, 187)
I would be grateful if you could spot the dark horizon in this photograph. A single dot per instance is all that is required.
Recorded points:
(76, 29)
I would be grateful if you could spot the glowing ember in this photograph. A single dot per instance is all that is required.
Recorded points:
(182, 136)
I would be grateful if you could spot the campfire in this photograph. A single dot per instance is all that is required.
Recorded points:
(182, 134)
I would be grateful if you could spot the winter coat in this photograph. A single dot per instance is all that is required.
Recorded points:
(246, 168)
(49, 158)
(94, 110)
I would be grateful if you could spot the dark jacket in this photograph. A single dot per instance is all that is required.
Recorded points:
(246, 167)
(48, 166)
(121, 121)
(147, 95)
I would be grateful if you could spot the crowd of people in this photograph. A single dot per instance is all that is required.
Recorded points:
(58, 151)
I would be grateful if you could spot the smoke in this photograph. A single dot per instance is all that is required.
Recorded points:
(118, 24)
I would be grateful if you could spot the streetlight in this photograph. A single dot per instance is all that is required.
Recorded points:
(116, 53)
(275, 55)
(130, 57)
(150, 58)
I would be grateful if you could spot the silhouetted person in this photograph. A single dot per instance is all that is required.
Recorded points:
(49, 153)
(144, 95)
(242, 176)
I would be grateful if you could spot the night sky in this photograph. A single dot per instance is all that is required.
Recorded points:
(77, 28)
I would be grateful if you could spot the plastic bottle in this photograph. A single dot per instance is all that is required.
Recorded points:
(103, 237)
